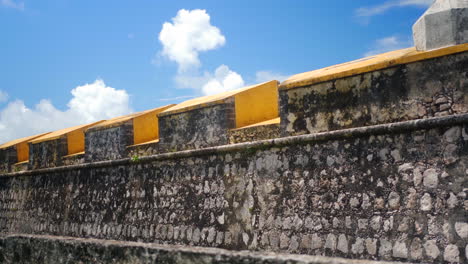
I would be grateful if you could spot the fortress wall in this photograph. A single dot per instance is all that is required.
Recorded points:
(421, 89)
(47, 154)
(108, 143)
(8, 157)
(391, 192)
(198, 128)
(47, 249)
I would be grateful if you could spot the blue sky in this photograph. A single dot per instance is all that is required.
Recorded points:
(65, 62)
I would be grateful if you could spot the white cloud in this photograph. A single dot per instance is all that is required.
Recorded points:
(389, 44)
(90, 102)
(12, 4)
(3, 96)
(223, 80)
(189, 34)
(265, 76)
(379, 9)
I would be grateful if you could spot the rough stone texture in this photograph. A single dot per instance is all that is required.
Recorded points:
(254, 133)
(429, 88)
(445, 23)
(142, 150)
(49, 249)
(48, 153)
(108, 143)
(267, 195)
(8, 157)
(198, 128)
(73, 159)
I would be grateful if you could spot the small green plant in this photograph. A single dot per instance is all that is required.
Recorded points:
(135, 158)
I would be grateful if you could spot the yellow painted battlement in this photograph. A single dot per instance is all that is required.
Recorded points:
(75, 137)
(253, 104)
(22, 146)
(368, 64)
(145, 124)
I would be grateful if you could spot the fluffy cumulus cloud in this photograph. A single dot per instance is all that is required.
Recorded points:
(388, 44)
(382, 8)
(90, 102)
(223, 80)
(189, 34)
(12, 4)
(3, 96)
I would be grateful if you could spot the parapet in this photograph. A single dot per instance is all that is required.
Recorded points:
(205, 121)
(14, 155)
(110, 139)
(396, 86)
(53, 148)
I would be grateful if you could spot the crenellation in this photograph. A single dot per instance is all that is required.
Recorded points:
(365, 160)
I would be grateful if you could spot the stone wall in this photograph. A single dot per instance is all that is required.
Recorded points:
(138, 151)
(108, 143)
(254, 133)
(428, 88)
(389, 192)
(73, 159)
(47, 154)
(48, 249)
(197, 128)
(8, 157)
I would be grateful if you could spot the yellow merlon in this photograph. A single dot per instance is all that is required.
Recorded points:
(22, 147)
(145, 124)
(75, 137)
(253, 104)
(372, 63)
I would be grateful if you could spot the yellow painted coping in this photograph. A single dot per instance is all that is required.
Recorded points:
(74, 154)
(22, 147)
(75, 137)
(116, 121)
(209, 100)
(372, 63)
(253, 104)
(264, 123)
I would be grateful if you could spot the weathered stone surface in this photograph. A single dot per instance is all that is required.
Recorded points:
(48, 153)
(8, 157)
(198, 128)
(49, 249)
(383, 96)
(451, 254)
(108, 143)
(258, 196)
(253, 133)
(445, 23)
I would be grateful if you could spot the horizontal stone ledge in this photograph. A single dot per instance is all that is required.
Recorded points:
(72, 249)
(391, 128)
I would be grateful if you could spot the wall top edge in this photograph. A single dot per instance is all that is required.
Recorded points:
(391, 128)
(117, 121)
(210, 100)
(368, 64)
(62, 132)
(21, 140)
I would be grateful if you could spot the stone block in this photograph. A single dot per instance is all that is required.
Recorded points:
(444, 24)
(49, 150)
(111, 139)
(391, 87)
(14, 154)
(206, 121)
